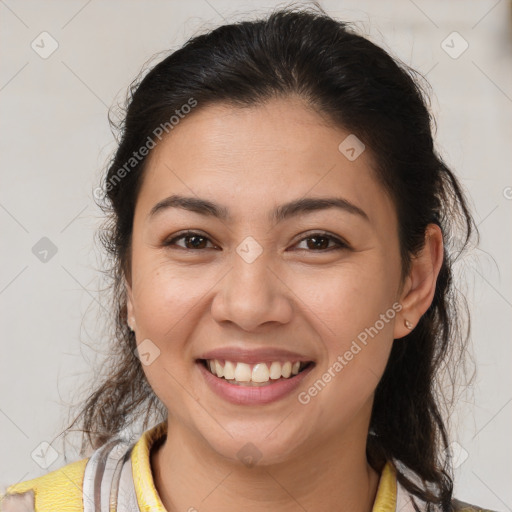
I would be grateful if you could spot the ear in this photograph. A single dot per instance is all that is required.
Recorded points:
(420, 285)
(129, 305)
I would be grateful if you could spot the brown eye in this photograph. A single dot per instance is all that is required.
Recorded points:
(319, 242)
(195, 242)
(190, 241)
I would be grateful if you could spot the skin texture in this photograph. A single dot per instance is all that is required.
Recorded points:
(292, 296)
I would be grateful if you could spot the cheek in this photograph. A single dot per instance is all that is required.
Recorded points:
(353, 310)
(351, 297)
(166, 298)
(168, 308)
(168, 305)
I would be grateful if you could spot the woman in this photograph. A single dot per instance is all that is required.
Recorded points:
(283, 234)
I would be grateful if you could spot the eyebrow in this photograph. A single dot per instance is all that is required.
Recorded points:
(279, 214)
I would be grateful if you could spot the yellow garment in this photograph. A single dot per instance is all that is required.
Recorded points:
(61, 490)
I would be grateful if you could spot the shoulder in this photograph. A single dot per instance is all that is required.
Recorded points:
(58, 490)
(406, 502)
(92, 478)
(460, 506)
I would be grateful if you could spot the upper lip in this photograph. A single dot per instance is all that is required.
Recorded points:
(254, 356)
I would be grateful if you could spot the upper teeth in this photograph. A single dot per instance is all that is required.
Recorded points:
(260, 372)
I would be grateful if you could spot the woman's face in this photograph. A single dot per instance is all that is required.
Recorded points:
(262, 275)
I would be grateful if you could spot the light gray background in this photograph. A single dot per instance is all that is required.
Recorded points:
(55, 142)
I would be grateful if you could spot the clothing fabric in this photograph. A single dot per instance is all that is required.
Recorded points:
(118, 477)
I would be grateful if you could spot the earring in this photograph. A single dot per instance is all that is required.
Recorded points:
(408, 324)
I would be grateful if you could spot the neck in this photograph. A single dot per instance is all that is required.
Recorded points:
(328, 476)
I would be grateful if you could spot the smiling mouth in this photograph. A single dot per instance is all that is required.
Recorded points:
(254, 375)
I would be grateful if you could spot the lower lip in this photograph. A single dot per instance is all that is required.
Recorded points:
(253, 395)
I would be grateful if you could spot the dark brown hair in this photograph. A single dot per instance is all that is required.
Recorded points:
(360, 87)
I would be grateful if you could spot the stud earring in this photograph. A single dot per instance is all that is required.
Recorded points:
(408, 324)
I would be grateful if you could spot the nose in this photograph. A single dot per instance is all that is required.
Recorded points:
(252, 295)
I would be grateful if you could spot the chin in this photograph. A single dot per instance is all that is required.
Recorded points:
(267, 445)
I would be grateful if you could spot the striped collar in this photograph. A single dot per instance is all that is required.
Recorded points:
(149, 500)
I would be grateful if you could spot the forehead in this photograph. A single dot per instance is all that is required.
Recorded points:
(253, 158)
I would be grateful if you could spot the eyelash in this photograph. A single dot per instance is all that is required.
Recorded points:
(340, 244)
